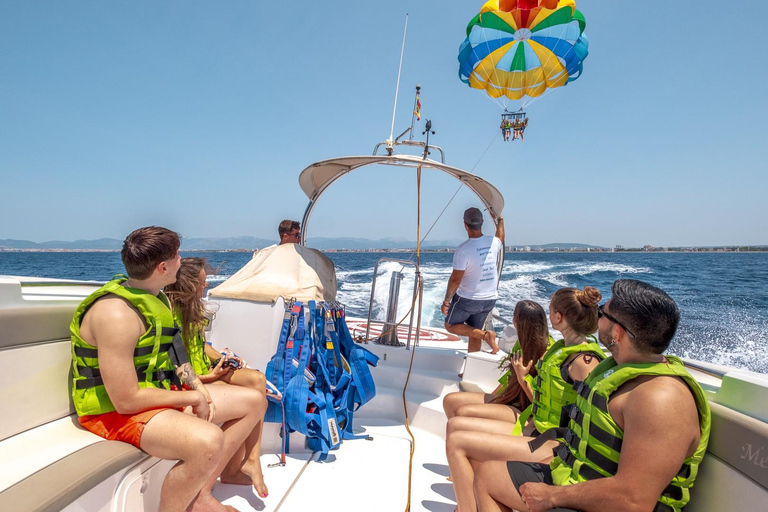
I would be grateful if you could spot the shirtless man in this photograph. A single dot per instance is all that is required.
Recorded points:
(655, 418)
(125, 387)
(472, 287)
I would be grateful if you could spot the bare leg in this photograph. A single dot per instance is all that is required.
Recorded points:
(488, 440)
(494, 489)
(498, 412)
(244, 468)
(453, 401)
(476, 336)
(196, 443)
(238, 409)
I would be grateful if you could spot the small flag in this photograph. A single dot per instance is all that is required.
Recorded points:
(417, 112)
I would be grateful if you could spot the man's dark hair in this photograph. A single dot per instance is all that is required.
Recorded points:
(286, 226)
(146, 248)
(648, 312)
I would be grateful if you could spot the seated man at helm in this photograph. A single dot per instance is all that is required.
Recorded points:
(637, 432)
(289, 232)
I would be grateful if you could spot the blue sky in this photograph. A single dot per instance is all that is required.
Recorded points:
(199, 116)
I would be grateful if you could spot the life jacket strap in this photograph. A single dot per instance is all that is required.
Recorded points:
(548, 435)
(93, 377)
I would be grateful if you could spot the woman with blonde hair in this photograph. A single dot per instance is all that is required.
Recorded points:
(215, 368)
(470, 440)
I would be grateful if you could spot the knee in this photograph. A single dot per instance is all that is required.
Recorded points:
(207, 441)
(449, 403)
(463, 410)
(256, 400)
(453, 443)
(450, 427)
(259, 381)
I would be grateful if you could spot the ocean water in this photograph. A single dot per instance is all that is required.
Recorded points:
(723, 297)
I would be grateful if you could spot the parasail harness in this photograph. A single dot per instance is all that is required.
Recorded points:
(323, 376)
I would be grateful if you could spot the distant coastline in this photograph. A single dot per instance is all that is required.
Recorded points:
(347, 244)
(509, 249)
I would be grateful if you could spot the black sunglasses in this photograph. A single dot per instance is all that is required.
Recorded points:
(601, 312)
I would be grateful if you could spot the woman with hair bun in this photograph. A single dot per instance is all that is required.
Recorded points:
(469, 441)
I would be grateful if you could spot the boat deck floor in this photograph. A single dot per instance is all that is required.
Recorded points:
(360, 475)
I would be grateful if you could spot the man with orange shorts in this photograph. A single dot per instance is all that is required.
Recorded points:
(133, 381)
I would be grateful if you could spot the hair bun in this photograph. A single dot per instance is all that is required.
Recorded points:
(589, 296)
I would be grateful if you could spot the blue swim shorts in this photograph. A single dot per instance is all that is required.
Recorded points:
(469, 311)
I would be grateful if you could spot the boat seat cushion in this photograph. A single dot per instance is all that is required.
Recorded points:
(70, 477)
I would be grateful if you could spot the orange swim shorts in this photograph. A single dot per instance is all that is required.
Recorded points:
(119, 427)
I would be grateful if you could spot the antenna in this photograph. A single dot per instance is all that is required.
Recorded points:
(397, 88)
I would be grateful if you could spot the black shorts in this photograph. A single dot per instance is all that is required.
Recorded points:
(469, 311)
(523, 472)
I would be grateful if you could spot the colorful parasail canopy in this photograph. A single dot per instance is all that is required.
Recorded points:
(519, 49)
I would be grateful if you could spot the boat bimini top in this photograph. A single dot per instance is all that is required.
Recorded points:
(316, 178)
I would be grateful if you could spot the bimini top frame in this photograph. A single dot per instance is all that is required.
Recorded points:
(315, 179)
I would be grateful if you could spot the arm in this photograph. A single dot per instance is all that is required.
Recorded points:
(500, 228)
(114, 327)
(651, 454)
(453, 284)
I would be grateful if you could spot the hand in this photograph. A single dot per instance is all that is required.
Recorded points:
(218, 371)
(537, 496)
(521, 370)
(240, 361)
(202, 408)
(444, 307)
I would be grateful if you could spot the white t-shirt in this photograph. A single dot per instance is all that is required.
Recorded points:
(477, 257)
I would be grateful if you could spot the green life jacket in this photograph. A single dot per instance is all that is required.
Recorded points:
(151, 356)
(550, 391)
(195, 347)
(593, 441)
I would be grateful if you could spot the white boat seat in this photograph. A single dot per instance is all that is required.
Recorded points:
(61, 483)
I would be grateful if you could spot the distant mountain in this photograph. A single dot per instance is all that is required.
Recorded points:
(232, 243)
(251, 243)
(102, 244)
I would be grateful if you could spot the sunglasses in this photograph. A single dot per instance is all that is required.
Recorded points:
(601, 313)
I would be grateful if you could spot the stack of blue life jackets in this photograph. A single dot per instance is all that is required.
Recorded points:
(324, 377)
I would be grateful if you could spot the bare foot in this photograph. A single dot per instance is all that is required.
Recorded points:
(257, 478)
(491, 339)
(207, 503)
(238, 478)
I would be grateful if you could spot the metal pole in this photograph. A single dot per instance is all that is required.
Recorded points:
(391, 322)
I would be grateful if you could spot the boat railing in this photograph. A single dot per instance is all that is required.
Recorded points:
(390, 147)
(704, 369)
(390, 325)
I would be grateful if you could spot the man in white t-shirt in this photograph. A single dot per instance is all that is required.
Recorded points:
(472, 286)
